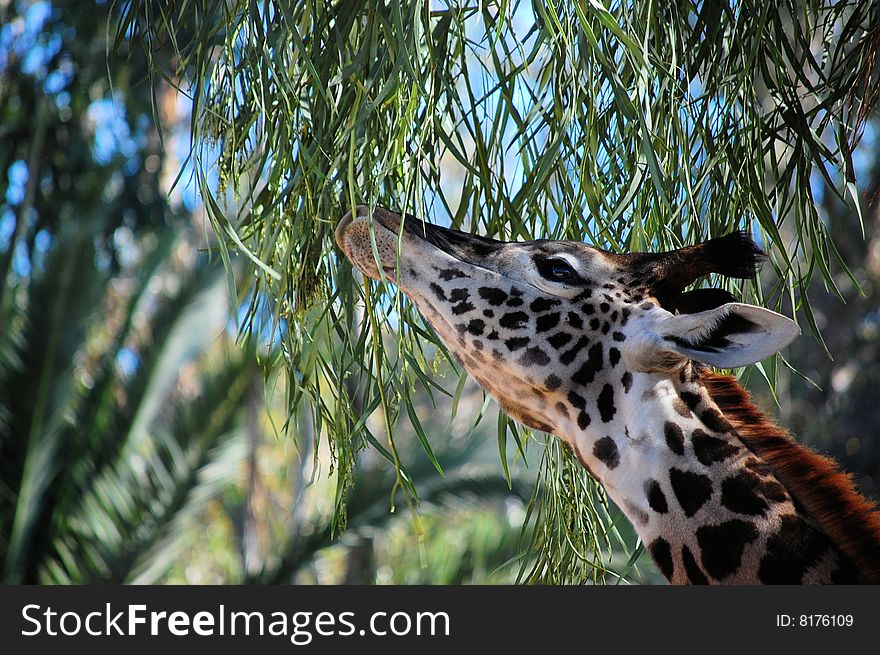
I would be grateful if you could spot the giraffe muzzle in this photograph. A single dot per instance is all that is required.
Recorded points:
(353, 237)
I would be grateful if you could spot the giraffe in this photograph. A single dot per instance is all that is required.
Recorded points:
(610, 354)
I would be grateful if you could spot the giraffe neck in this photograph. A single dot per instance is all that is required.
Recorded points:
(707, 508)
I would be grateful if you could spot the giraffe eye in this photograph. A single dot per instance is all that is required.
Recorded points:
(555, 269)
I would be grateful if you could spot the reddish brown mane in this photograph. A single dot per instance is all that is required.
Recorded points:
(826, 494)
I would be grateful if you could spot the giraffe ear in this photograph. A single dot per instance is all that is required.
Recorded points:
(732, 335)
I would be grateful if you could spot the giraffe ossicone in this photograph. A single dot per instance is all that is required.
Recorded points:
(608, 351)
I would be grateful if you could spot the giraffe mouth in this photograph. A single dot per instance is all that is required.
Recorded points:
(357, 236)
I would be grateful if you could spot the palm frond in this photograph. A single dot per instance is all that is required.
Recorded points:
(39, 393)
(126, 528)
(102, 461)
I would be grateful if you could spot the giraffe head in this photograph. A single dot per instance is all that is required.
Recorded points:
(554, 329)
